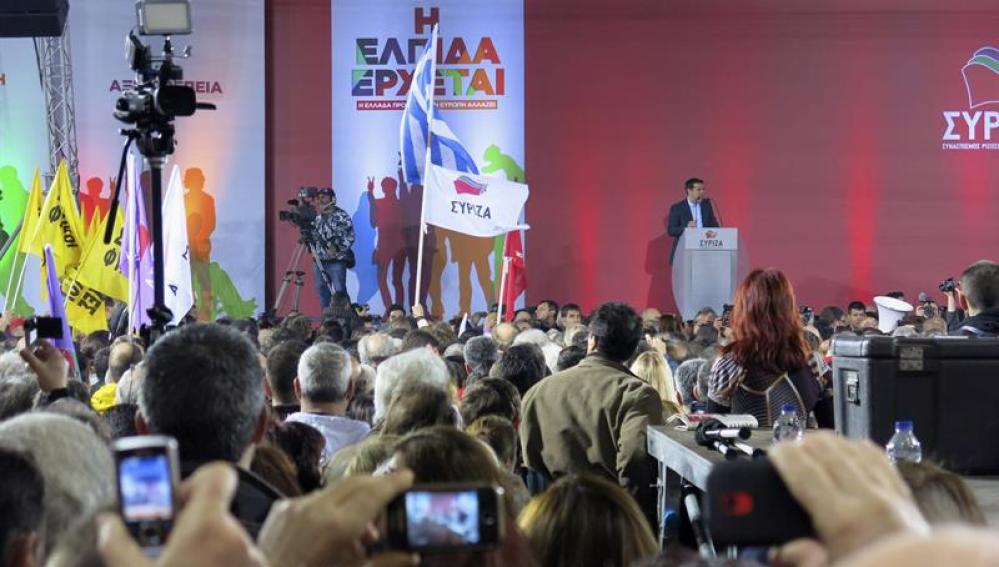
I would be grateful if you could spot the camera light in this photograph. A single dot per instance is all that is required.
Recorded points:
(164, 17)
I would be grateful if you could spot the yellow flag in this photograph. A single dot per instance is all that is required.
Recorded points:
(99, 270)
(59, 224)
(84, 305)
(30, 221)
(95, 225)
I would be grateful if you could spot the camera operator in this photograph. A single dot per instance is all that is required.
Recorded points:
(954, 314)
(980, 296)
(334, 234)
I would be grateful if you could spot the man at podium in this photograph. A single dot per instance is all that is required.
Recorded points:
(695, 211)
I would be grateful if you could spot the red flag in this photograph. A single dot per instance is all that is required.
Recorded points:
(516, 276)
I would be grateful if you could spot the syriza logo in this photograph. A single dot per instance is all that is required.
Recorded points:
(976, 128)
(465, 185)
(710, 234)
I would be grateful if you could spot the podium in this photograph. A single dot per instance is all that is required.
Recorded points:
(705, 269)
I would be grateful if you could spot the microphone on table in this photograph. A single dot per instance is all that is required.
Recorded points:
(727, 433)
(749, 450)
(713, 434)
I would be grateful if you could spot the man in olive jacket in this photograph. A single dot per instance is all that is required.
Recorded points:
(592, 418)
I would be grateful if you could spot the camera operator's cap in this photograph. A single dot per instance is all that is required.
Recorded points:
(326, 191)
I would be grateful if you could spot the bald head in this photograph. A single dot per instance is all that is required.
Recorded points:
(651, 315)
(375, 348)
(504, 333)
(122, 357)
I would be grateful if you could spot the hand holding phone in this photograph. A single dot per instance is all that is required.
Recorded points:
(48, 364)
(205, 533)
(330, 525)
(446, 518)
(148, 476)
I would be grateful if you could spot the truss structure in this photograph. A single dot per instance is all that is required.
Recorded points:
(56, 73)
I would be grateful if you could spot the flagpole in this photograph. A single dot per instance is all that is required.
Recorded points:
(10, 280)
(502, 289)
(426, 166)
(12, 239)
(20, 278)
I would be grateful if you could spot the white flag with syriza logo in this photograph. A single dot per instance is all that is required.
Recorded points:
(178, 292)
(478, 205)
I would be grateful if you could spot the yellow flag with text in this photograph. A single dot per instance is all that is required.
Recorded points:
(85, 308)
(31, 211)
(99, 270)
(59, 225)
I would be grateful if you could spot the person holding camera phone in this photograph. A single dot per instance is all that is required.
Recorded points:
(334, 232)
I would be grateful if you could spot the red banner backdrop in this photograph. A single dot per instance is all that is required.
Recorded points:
(820, 130)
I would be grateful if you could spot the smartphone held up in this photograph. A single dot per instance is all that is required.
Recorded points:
(446, 518)
(148, 475)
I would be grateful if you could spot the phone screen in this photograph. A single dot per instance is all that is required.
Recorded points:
(442, 519)
(446, 518)
(146, 488)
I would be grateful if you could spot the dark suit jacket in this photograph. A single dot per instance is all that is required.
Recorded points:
(680, 215)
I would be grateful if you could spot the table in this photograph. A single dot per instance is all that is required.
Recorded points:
(678, 457)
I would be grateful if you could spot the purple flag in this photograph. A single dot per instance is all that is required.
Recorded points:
(57, 309)
(136, 251)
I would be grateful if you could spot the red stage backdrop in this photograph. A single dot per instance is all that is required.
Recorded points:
(852, 143)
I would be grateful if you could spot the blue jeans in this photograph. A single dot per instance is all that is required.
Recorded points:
(337, 272)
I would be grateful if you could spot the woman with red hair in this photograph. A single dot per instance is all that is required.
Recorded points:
(768, 364)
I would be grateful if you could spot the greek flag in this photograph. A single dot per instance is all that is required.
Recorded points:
(446, 150)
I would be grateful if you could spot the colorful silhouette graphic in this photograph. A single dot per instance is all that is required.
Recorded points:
(13, 199)
(92, 198)
(225, 298)
(364, 248)
(496, 160)
(388, 216)
(468, 252)
(200, 226)
(411, 197)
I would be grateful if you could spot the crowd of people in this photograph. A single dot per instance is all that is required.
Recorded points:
(293, 436)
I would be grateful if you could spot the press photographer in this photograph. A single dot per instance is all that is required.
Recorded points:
(334, 236)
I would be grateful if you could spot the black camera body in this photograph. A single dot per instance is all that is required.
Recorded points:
(948, 286)
(156, 100)
(806, 315)
(303, 211)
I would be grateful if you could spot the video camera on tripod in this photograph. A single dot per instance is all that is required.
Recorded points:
(303, 210)
(302, 213)
(151, 107)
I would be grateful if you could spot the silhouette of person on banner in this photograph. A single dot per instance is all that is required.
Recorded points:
(411, 197)
(496, 160)
(92, 200)
(364, 248)
(200, 226)
(468, 252)
(387, 216)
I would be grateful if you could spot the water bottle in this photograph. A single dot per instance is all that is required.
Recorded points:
(903, 447)
(788, 426)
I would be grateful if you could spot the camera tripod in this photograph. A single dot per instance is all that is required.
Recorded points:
(292, 275)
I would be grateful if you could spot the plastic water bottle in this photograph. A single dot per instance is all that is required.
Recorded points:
(788, 426)
(903, 446)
